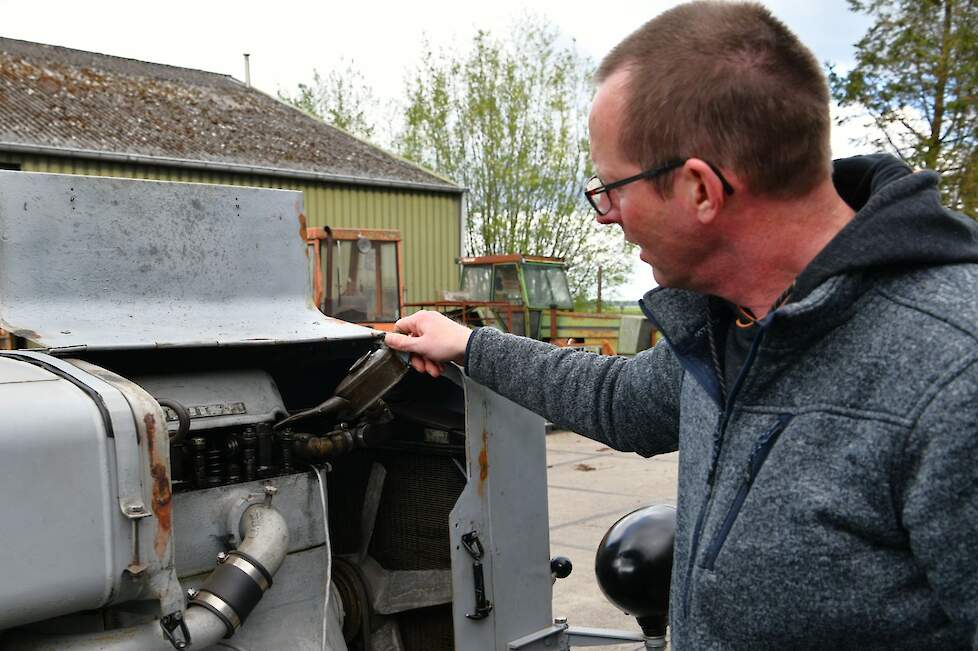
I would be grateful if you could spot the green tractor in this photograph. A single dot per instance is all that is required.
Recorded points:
(529, 296)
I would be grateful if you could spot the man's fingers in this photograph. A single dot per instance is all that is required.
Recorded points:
(417, 363)
(433, 368)
(409, 323)
(400, 342)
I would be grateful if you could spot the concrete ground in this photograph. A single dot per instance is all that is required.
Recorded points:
(590, 487)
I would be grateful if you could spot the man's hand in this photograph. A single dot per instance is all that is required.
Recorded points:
(431, 338)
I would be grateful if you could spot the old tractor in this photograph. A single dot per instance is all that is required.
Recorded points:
(529, 296)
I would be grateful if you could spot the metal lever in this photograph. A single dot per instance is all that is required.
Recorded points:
(474, 547)
(172, 622)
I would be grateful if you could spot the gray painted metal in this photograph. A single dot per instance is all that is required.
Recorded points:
(266, 542)
(152, 544)
(100, 263)
(219, 398)
(200, 523)
(93, 483)
(397, 591)
(562, 637)
(505, 502)
(44, 452)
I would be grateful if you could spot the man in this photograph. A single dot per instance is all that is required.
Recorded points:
(819, 374)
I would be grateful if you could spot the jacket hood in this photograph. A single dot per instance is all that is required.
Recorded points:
(899, 221)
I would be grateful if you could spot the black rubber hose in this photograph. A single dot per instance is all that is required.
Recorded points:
(183, 419)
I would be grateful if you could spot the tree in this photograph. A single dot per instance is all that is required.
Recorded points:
(916, 75)
(342, 98)
(507, 120)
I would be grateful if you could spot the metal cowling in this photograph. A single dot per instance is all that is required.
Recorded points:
(265, 542)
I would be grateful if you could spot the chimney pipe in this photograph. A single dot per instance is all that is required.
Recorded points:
(247, 70)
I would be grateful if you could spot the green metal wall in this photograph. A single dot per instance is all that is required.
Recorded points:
(428, 221)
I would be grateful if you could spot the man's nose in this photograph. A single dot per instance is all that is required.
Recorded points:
(611, 217)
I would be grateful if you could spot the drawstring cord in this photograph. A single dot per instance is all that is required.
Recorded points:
(747, 318)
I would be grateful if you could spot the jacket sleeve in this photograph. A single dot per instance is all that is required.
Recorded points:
(940, 494)
(628, 404)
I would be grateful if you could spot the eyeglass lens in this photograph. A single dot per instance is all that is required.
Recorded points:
(601, 201)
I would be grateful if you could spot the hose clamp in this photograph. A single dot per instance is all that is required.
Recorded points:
(246, 566)
(220, 608)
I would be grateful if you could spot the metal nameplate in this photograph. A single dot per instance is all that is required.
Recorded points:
(206, 411)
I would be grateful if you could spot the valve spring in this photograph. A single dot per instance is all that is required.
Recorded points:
(215, 467)
(249, 441)
(285, 441)
(266, 442)
(199, 444)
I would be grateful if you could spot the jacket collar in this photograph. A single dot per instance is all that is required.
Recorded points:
(683, 318)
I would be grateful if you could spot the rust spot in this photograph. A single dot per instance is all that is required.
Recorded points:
(162, 492)
(302, 227)
(484, 460)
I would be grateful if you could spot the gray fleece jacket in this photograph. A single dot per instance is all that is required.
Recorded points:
(832, 501)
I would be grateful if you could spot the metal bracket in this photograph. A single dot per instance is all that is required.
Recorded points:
(171, 623)
(562, 637)
(474, 547)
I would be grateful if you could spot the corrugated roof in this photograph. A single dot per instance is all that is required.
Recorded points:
(57, 97)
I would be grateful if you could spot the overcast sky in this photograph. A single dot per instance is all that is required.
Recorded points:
(288, 38)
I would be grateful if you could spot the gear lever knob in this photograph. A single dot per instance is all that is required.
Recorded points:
(633, 565)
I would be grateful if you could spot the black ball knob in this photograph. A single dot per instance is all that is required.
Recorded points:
(561, 567)
(633, 565)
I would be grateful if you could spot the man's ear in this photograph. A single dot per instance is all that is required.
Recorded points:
(703, 189)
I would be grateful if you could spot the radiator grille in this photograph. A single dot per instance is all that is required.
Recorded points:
(411, 532)
(427, 629)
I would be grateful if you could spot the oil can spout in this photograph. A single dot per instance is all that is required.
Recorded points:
(367, 381)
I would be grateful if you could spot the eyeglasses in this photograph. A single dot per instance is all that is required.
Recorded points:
(597, 192)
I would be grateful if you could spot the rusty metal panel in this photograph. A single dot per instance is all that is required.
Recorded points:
(115, 263)
(429, 222)
(505, 448)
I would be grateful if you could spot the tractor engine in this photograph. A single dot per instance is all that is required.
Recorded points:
(192, 455)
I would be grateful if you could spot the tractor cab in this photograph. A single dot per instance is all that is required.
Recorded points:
(521, 288)
(526, 295)
(356, 274)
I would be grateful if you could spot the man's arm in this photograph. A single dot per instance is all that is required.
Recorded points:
(631, 404)
(940, 493)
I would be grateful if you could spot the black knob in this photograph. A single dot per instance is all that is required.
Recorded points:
(561, 567)
(633, 565)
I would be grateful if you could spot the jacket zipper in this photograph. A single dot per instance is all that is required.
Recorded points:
(718, 435)
(757, 458)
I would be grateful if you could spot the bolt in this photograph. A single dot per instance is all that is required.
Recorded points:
(181, 644)
(192, 593)
(222, 556)
(560, 620)
(270, 492)
(178, 616)
(134, 508)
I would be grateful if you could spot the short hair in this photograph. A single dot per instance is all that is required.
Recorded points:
(731, 84)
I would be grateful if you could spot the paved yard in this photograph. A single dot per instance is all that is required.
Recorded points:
(590, 487)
